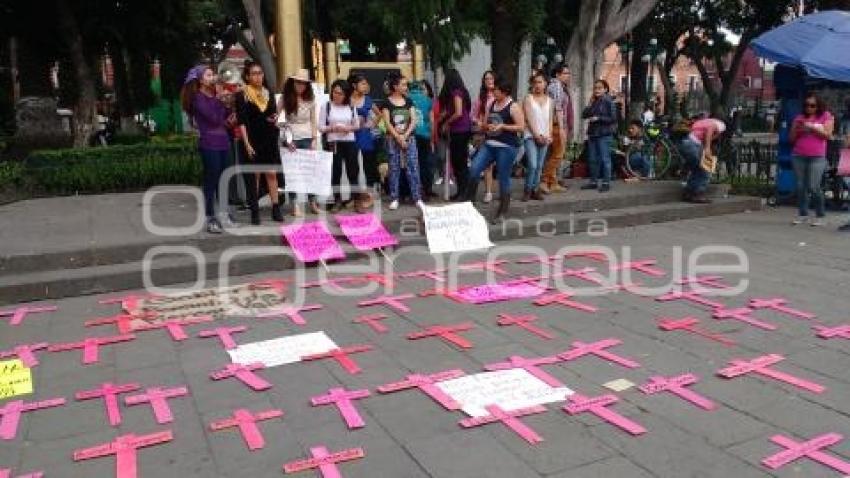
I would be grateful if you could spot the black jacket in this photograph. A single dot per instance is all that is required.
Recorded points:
(603, 108)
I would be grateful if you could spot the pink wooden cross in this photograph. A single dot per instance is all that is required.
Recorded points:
(597, 406)
(760, 365)
(372, 277)
(524, 322)
(290, 311)
(333, 283)
(158, 398)
(243, 373)
(7, 473)
(124, 448)
(344, 401)
(224, 334)
(425, 383)
(125, 298)
(123, 322)
(485, 266)
(551, 260)
(373, 321)
(842, 331)
(175, 326)
(17, 315)
(563, 298)
(715, 282)
(109, 393)
(324, 461)
(393, 302)
(25, 353)
(810, 449)
(779, 305)
(247, 424)
(744, 315)
(435, 275)
(342, 357)
(11, 413)
(592, 255)
(91, 346)
(587, 274)
(510, 419)
(689, 324)
(645, 266)
(597, 348)
(677, 386)
(532, 366)
(448, 333)
(691, 296)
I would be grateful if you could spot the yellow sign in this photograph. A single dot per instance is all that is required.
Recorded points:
(15, 379)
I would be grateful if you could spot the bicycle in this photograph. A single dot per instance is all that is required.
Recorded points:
(658, 150)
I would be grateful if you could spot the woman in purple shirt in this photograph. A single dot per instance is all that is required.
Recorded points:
(456, 121)
(211, 117)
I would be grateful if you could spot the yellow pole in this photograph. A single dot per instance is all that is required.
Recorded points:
(418, 62)
(288, 38)
(331, 63)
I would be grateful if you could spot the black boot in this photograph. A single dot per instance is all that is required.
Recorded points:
(502, 211)
(469, 193)
(277, 215)
(255, 216)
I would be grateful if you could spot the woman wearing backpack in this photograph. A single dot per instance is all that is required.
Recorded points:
(401, 146)
(367, 114)
(338, 121)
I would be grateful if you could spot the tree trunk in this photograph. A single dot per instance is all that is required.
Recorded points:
(253, 10)
(504, 44)
(85, 111)
(580, 56)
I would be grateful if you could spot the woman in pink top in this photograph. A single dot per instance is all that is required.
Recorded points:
(692, 147)
(809, 134)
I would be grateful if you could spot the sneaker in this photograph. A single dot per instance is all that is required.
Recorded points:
(297, 212)
(488, 196)
(588, 186)
(556, 188)
(420, 205)
(818, 222)
(800, 220)
(439, 181)
(394, 205)
(544, 188)
(604, 188)
(227, 221)
(213, 226)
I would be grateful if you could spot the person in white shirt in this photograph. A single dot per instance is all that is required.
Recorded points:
(299, 126)
(338, 121)
(539, 112)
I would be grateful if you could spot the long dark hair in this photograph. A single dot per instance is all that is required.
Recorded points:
(452, 83)
(393, 80)
(246, 70)
(482, 92)
(188, 92)
(821, 108)
(345, 86)
(290, 96)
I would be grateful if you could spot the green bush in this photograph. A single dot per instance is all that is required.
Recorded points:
(11, 173)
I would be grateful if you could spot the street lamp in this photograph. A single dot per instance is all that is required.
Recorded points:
(625, 47)
(653, 53)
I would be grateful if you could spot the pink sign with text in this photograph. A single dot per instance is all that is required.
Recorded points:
(483, 294)
(312, 242)
(365, 231)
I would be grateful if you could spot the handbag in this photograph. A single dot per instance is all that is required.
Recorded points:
(708, 162)
(844, 163)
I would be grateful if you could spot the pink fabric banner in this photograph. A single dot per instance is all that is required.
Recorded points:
(312, 241)
(483, 294)
(365, 231)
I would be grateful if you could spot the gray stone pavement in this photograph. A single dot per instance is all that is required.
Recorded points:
(409, 435)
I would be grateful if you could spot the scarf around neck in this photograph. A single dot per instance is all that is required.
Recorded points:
(258, 96)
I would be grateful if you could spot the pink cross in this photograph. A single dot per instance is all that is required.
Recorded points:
(779, 305)
(491, 266)
(124, 448)
(7, 473)
(592, 255)
(436, 275)
(247, 424)
(122, 321)
(175, 326)
(25, 353)
(344, 401)
(539, 260)
(563, 298)
(715, 282)
(742, 315)
(689, 324)
(371, 277)
(243, 373)
(760, 365)
(290, 311)
(17, 315)
(333, 283)
(11, 413)
(393, 302)
(122, 299)
(224, 334)
(587, 274)
(446, 332)
(324, 461)
(691, 296)
(109, 393)
(532, 366)
(510, 419)
(341, 356)
(645, 266)
(90, 346)
(426, 383)
(373, 321)
(580, 349)
(842, 331)
(810, 449)
(676, 386)
(158, 398)
(524, 322)
(597, 406)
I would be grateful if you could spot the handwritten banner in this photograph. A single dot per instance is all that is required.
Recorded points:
(365, 231)
(455, 228)
(282, 350)
(307, 171)
(312, 242)
(509, 389)
(483, 294)
(15, 379)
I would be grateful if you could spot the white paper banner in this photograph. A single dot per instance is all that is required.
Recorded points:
(307, 171)
(455, 228)
(283, 350)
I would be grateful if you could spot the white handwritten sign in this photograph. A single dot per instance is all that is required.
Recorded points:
(282, 350)
(456, 227)
(509, 389)
(307, 171)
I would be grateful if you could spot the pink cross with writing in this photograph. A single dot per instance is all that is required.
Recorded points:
(587, 274)
(324, 461)
(109, 393)
(563, 298)
(532, 366)
(715, 282)
(393, 302)
(524, 322)
(449, 333)
(247, 424)
(12, 411)
(224, 334)
(677, 386)
(810, 449)
(342, 357)
(290, 311)
(689, 324)
(25, 352)
(90, 346)
(580, 349)
(344, 401)
(743, 315)
(510, 419)
(243, 373)
(690, 296)
(16, 316)
(373, 321)
(426, 383)
(485, 266)
(760, 365)
(7, 473)
(124, 448)
(779, 305)
(597, 406)
(158, 399)
(175, 326)
(645, 266)
(842, 331)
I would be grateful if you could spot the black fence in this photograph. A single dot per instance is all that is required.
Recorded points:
(749, 166)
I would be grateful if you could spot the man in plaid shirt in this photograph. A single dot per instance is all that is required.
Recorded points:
(558, 91)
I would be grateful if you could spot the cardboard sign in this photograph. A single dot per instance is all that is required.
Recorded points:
(307, 171)
(483, 294)
(282, 350)
(365, 231)
(15, 379)
(455, 228)
(312, 242)
(509, 389)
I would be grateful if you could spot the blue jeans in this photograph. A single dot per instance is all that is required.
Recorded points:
(412, 167)
(503, 156)
(639, 164)
(214, 162)
(697, 177)
(809, 173)
(535, 156)
(599, 158)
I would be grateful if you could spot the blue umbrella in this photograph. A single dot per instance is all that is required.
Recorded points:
(819, 43)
